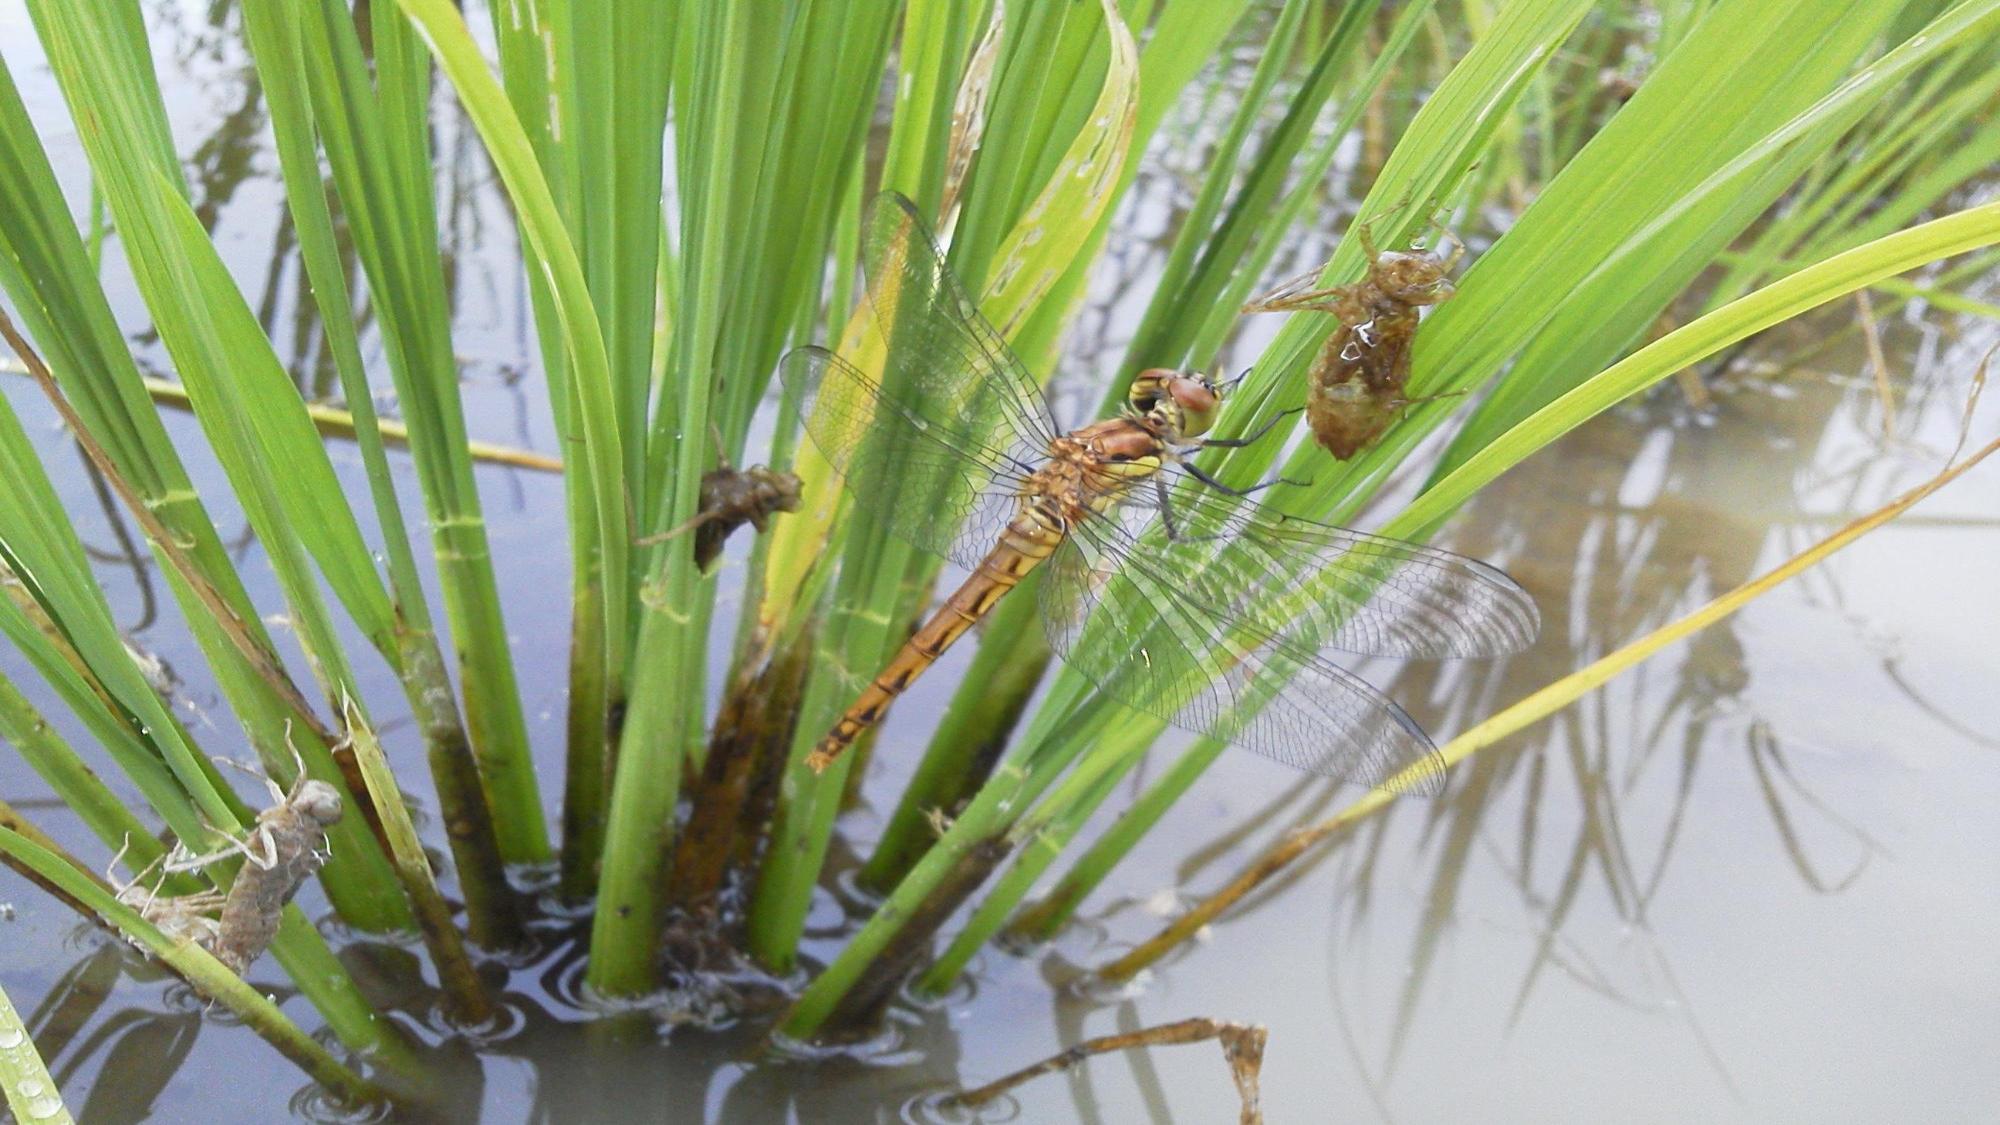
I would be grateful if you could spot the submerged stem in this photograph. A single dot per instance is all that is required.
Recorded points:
(1242, 1046)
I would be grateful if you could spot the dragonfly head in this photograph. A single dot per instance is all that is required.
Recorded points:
(1184, 403)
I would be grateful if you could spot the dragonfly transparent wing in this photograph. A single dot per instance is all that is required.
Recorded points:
(939, 446)
(928, 482)
(1111, 614)
(955, 364)
(1353, 591)
(1219, 627)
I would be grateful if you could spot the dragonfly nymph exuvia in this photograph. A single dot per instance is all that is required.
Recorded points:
(1170, 592)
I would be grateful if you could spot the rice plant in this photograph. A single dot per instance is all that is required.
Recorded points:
(690, 183)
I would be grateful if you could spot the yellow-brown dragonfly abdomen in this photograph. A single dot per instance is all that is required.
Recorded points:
(1028, 542)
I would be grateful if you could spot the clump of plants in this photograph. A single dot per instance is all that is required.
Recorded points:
(688, 180)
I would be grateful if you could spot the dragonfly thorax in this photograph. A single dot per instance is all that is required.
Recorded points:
(1091, 469)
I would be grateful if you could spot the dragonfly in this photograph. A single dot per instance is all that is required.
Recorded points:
(1169, 591)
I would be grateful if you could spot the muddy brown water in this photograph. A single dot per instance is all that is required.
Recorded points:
(1755, 879)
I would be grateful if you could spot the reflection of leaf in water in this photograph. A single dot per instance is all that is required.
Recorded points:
(1893, 669)
(132, 1053)
(1767, 760)
(1224, 843)
(72, 1000)
(142, 1051)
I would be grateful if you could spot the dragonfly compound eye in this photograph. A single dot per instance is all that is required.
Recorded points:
(1197, 400)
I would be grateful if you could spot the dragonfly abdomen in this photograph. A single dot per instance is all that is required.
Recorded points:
(1031, 537)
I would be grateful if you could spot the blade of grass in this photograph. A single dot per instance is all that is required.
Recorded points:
(1188, 285)
(248, 408)
(409, 641)
(1452, 127)
(1788, 297)
(390, 818)
(1040, 920)
(1035, 841)
(601, 460)
(1857, 93)
(1012, 653)
(1186, 318)
(661, 732)
(47, 562)
(807, 185)
(1735, 165)
(47, 270)
(48, 566)
(591, 93)
(384, 189)
(1708, 335)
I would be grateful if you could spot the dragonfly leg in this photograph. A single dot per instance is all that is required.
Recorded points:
(721, 452)
(1223, 488)
(1240, 442)
(1367, 233)
(1298, 295)
(1175, 534)
(679, 529)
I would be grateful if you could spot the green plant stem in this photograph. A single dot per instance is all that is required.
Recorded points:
(465, 994)
(1040, 837)
(872, 567)
(896, 934)
(1043, 918)
(590, 90)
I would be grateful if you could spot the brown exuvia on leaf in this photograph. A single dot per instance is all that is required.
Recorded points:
(1356, 385)
(730, 498)
(284, 848)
